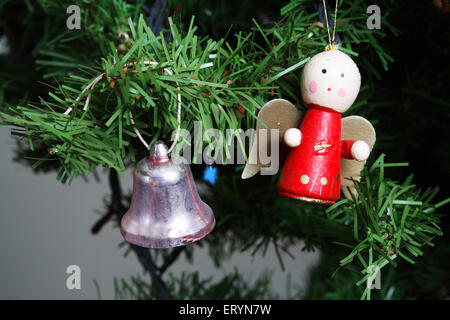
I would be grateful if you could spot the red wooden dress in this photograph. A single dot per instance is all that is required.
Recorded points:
(312, 170)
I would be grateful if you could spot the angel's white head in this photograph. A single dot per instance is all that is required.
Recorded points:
(331, 79)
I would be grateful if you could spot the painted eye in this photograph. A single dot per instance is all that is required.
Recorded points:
(324, 70)
(342, 75)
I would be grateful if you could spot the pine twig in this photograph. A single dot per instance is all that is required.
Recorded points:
(97, 227)
(173, 256)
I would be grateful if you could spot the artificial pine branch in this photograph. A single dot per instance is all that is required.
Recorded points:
(390, 221)
(222, 86)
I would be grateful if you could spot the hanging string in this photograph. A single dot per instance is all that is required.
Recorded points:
(138, 134)
(334, 26)
(326, 18)
(331, 44)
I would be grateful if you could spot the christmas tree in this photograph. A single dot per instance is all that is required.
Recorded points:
(85, 95)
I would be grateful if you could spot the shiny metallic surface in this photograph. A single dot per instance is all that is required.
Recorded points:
(158, 153)
(166, 210)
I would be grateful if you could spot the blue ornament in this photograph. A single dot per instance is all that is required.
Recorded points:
(210, 174)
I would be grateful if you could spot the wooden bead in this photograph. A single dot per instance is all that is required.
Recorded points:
(292, 137)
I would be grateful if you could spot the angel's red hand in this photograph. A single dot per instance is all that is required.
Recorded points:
(346, 146)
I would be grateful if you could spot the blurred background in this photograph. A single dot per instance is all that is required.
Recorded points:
(46, 227)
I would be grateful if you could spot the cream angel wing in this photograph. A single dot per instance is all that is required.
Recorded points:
(276, 114)
(354, 128)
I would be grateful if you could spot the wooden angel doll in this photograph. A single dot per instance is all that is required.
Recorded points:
(325, 149)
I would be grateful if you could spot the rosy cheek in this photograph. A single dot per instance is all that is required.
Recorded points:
(313, 86)
(341, 92)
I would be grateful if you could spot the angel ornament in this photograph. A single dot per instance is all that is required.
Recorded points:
(325, 150)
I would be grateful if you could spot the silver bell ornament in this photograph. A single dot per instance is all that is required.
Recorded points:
(166, 210)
